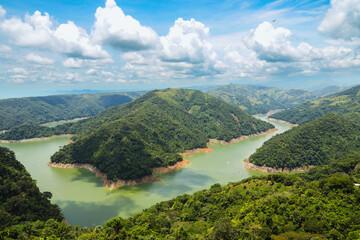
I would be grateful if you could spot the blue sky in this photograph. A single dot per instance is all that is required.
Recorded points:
(48, 46)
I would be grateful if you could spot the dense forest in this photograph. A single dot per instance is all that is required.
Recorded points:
(344, 103)
(128, 141)
(260, 99)
(314, 143)
(39, 110)
(20, 198)
(320, 204)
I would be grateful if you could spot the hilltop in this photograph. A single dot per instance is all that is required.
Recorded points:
(260, 99)
(39, 110)
(345, 103)
(314, 143)
(127, 141)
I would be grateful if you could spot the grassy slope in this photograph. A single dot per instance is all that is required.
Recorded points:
(38, 110)
(258, 99)
(346, 103)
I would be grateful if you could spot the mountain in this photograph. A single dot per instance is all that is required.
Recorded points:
(345, 103)
(259, 99)
(321, 204)
(20, 198)
(128, 141)
(314, 143)
(38, 110)
(329, 90)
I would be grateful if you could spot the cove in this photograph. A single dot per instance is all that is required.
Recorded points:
(85, 202)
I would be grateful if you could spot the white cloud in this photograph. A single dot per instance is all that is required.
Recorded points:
(38, 59)
(2, 12)
(5, 48)
(73, 63)
(342, 20)
(37, 31)
(121, 31)
(107, 74)
(91, 71)
(17, 70)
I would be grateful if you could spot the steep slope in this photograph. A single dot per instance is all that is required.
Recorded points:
(127, 141)
(321, 204)
(259, 99)
(38, 110)
(345, 104)
(20, 198)
(329, 90)
(314, 143)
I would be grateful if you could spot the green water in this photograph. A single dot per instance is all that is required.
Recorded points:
(85, 202)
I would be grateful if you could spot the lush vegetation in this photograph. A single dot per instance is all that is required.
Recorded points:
(20, 198)
(127, 141)
(314, 143)
(329, 90)
(259, 99)
(321, 204)
(38, 110)
(345, 103)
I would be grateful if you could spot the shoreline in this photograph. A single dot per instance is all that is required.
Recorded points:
(269, 112)
(111, 185)
(282, 121)
(251, 166)
(36, 139)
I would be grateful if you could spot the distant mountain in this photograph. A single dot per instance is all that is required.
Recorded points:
(314, 143)
(20, 199)
(127, 141)
(38, 110)
(329, 90)
(260, 99)
(345, 103)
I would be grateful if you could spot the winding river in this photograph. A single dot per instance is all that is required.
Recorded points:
(85, 202)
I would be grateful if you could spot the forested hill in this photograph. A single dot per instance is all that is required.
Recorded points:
(20, 198)
(345, 103)
(320, 204)
(127, 141)
(314, 143)
(38, 110)
(260, 99)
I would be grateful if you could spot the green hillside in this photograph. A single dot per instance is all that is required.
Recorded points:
(127, 141)
(345, 104)
(38, 110)
(20, 198)
(322, 204)
(259, 99)
(314, 143)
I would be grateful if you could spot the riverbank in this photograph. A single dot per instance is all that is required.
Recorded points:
(282, 121)
(212, 141)
(251, 166)
(36, 139)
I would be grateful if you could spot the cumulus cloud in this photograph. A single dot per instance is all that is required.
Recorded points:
(107, 74)
(5, 48)
(17, 70)
(73, 63)
(342, 20)
(37, 31)
(91, 71)
(187, 42)
(38, 59)
(2, 12)
(121, 31)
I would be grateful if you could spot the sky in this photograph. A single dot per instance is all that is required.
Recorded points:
(51, 46)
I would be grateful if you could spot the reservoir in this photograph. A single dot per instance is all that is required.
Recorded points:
(85, 202)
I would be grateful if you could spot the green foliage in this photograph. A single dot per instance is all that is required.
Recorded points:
(314, 143)
(259, 99)
(20, 198)
(38, 110)
(127, 141)
(346, 104)
(276, 206)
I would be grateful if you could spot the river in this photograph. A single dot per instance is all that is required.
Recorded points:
(85, 202)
